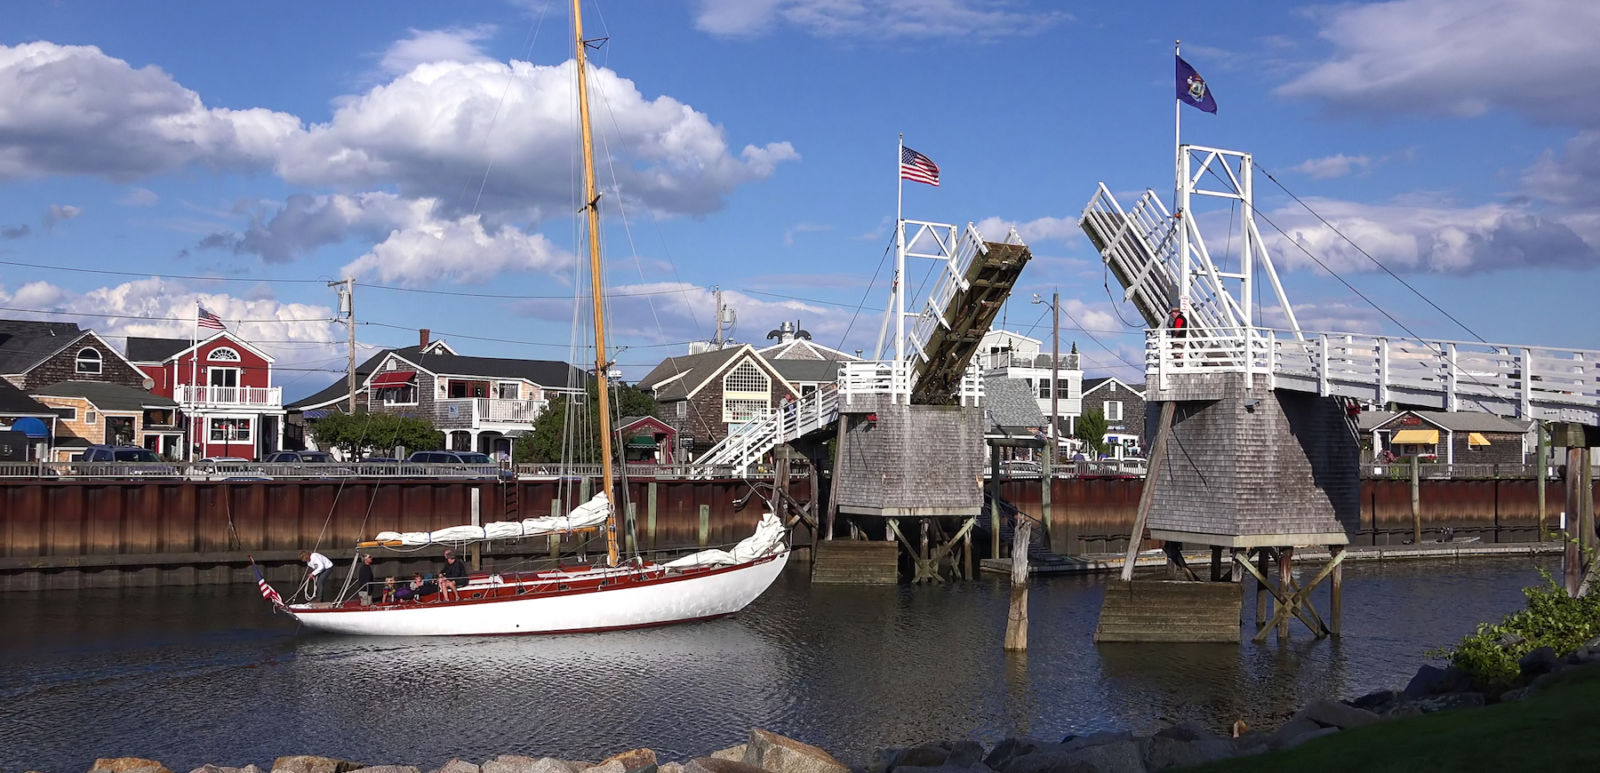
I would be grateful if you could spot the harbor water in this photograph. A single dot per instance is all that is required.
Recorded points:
(195, 675)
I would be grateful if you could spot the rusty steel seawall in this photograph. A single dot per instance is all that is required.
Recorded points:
(77, 534)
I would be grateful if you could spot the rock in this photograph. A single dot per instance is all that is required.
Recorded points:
(1540, 661)
(307, 763)
(632, 759)
(714, 765)
(614, 766)
(1096, 739)
(735, 753)
(391, 769)
(1294, 728)
(670, 767)
(965, 754)
(1124, 756)
(1376, 701)
(1336, 714)
(777, 754)
(1007, 750)
(514, 763)
(924, 756)
(127, 765)
(1305, 737)
(1167, 752)
(1432, 680)
(1185, 731)
(459, 766)
(209, 768)
(1509, 639)
(1519, 694)
(1460, 700)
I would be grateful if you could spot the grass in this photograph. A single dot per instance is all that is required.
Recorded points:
(1551, 731)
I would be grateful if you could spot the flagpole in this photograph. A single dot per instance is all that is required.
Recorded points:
(1177, 136)
(1178, 199)
(899, 260)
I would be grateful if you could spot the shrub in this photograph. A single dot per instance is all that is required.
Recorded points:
(1552, 619)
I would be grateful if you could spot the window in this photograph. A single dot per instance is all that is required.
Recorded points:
(507, 390)
(88, 361)
(223, 354)
(222, 377)
(1044, 388)
(1113, 410)
(230, 430)
(746, 391)
(90, 417)
(680, 409)
(404, 394)
(66, 414)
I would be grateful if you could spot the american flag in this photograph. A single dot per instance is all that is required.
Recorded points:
(918, 168)
(266, 590)
(206, 319)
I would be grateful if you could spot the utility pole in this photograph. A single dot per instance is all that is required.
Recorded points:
(347, 307)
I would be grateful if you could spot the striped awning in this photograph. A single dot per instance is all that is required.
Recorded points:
(1415, 436)
(1476, 439)
(393, 378)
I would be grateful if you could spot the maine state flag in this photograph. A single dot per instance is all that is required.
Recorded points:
(1193, 89)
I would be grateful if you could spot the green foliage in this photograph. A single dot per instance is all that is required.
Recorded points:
(1091, 430)
(1552, 619)
(565, 431)
(375, 433)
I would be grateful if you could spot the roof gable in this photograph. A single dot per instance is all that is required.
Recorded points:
(678, 377)
(1091, 384)
(106, 395)
(740, 354)
(25, 343)
(15, 402)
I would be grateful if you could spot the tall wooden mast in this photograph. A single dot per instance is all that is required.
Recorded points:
(592, 203)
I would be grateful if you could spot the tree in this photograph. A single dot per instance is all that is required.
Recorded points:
(565, 431)
(366, 432)
(1091, 430)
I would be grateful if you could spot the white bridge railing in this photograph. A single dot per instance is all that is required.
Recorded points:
(1528, 382)
(888, 377)
(749, 441)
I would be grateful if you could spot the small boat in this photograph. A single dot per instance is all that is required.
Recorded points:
(605, 596)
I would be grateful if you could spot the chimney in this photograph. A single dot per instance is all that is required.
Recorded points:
(422, 338)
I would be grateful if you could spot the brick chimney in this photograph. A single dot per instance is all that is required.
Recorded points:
(422, 337)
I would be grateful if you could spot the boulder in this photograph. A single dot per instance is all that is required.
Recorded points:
(127, 765)
(735, 753)
(1120, 756)
(392, 769)
(1519, 694)
(1103, 752)
(965, 754)
(1537, 662)
(1095, 739)
(209, 768)
(459, 766)
(1307, 737)
(714, 765)
(1168, 752)
(777, 754)
(1376, 701)
(307, 763)
(1432, 680)
(1185, 731)
(515, 763)
(1294, 728)
(1460, 700)
(633, 759)
(1336, 714)
(924, 756)
(614, 766)
(671, 767)
(1007, 750)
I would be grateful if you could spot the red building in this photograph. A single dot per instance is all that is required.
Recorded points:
(223, 385)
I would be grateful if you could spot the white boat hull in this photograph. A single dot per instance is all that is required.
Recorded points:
(668, 599)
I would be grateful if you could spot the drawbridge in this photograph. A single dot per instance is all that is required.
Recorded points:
(933, 357)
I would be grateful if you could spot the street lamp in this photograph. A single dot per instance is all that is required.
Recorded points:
(1055, 372)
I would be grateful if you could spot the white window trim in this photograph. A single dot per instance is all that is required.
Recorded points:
(98, 359)
(516, 386)
(211, 426)
(91, 417)
(224, 354)
(1107, 410)
(238, 376)
(731, 397)
(389, 394)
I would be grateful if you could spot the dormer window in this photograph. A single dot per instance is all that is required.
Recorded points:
(224, 354)
(88, 361)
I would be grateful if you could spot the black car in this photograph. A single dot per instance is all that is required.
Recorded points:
(460, 464)
(123, 461)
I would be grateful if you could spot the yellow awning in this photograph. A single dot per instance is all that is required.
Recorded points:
(1476, 439)
(1415, 436)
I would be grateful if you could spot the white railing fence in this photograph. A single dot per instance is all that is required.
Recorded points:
(255, 397)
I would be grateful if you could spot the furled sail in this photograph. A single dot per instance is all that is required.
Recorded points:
(768, 536)
(590, 514)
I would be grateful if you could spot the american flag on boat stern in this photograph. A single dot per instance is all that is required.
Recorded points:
(266, 590)
(918, 168)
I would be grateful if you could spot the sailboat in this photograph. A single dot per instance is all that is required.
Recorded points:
(605, 596)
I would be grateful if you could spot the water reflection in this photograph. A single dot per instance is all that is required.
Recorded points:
(210, 675)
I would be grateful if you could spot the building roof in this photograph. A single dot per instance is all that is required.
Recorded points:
(107, 396)
(1091, 384)
(683, 373)
(15, 402)
(1458, 421)
(803, 349)
(809, 371)
(148, 350)
(1010, 405)
(24, 342)
(551, 374)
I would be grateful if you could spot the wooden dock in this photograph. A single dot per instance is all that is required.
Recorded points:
(1103, 563)
(1161, 611)
(856, 562)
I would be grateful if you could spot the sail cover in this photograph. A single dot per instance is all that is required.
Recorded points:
(591, 513)
(766, 540)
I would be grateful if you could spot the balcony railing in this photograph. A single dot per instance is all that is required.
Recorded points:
(218, 396)
(457, 412)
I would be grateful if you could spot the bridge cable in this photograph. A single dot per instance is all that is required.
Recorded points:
(1368, 255)
(864, 294)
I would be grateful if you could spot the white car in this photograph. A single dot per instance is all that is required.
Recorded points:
(226, 468)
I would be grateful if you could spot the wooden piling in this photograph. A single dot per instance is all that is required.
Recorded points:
(1416, 502)
(705, 525)
(1285, 577)
(650, 514)
(1216, 563)
(1264, 558)
(1017, 619)
(1542, 460)
(1336, 591)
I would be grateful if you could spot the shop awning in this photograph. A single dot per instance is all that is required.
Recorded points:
(31, 427)
(1476, 439)
(393, 378)
(1415, 436)
(642, 441)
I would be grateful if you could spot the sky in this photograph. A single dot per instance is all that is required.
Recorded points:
(1435, 164)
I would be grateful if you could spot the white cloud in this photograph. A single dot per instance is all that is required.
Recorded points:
(435, 131)
(74, 110)
(674, 312)
(802, 228)
(878, 19)
(456, 44)
(139, 197)
(459, 250)
(1062, 229)
(59, 212)
(1571, 178)
(1332, 166)
(305, 222)
(1459, 57)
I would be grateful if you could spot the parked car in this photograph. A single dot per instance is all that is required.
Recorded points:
(227, 468)
(305, 464)
(123, 461)
(1021, 468)
(378, 466)
(460, 464)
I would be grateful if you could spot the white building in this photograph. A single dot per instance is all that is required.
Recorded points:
(1013, 355)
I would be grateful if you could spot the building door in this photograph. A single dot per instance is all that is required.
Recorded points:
(267, 438)
(119, 430)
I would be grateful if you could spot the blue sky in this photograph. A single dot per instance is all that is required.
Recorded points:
(246, 155)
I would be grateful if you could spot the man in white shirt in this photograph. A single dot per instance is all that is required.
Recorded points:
(317, 566)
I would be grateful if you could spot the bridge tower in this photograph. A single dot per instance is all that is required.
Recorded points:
(1236, 465)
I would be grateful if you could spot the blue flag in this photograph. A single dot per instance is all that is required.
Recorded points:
(1193, 90)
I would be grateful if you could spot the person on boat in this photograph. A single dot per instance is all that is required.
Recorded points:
(365, 585)
(453, 575)
(423, 586)
(317, 567)
(390, 591)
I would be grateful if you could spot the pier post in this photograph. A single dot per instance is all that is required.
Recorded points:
(994, 501)
(1336, 590)
(1017, 620)
(1285, 577)
(1542, 461)
(475, 550)
(1216, 563)
(1264, 558)
(1416, 503)
(705, 525)
(650, 514)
